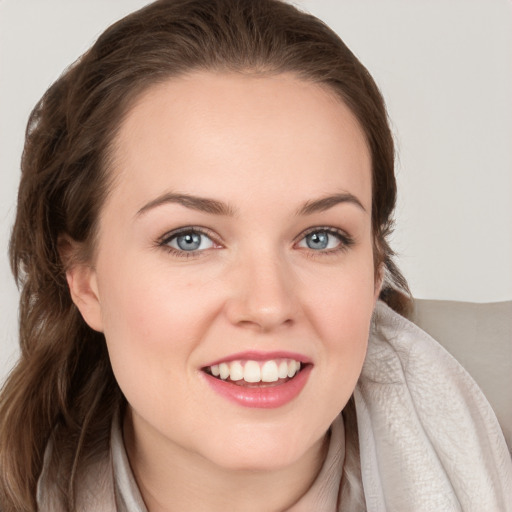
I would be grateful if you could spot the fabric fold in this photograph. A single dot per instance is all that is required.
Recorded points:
(429, 439)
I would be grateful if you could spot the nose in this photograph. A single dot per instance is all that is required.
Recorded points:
(263, 294)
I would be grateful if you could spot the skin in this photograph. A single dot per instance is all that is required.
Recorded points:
(264, 146)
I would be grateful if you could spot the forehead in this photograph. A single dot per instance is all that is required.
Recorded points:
(213, 134)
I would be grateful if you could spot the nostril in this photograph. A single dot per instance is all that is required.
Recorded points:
(263, 299)
(265, 322)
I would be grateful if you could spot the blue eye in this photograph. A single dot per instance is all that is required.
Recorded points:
(324, 240)
(189, 241)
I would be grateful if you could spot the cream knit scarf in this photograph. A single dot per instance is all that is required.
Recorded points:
(428, 440)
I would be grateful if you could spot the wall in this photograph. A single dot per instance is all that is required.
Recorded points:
(445, 69)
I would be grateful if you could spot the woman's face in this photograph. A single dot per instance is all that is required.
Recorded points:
(235, 245)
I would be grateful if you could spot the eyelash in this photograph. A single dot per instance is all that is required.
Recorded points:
(167, 238)
(345, 240)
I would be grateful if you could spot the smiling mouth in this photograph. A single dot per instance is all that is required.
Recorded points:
(250, 373)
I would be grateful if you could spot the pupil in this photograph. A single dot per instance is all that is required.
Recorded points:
(189, 242)
(318, 240)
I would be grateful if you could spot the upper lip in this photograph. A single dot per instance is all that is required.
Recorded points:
(261, 356)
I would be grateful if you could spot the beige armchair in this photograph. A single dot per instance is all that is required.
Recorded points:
(479, 336)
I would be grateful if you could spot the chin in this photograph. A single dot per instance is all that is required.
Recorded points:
(263, 451)
(254, 461)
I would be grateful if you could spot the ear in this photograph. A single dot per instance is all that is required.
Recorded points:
(82, 282)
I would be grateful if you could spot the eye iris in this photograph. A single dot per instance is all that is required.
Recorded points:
(317, 240)
(189, 241)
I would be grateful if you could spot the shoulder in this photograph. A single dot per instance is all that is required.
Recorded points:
(428, 436)
(91, 478)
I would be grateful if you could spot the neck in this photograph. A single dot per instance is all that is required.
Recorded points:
(171, 478)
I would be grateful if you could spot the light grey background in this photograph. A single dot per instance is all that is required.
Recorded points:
(445, 69)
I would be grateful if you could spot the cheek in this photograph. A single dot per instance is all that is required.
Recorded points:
(341, 314)
(342, 298)
(144, 302)
(152, 324)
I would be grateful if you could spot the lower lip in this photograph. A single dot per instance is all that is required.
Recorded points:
(268, 397)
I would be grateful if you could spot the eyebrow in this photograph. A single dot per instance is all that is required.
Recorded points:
(212, 206)
(320, 205)
(201, 204)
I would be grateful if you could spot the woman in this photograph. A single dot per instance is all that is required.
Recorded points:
(201, 245)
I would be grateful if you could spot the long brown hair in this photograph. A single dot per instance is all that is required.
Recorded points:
(63, 385)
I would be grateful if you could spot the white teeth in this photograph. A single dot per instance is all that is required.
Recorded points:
(269, 372)
(224, 371)
(282, 373)
(236, 371)
(293, 368)
(256, 371)
(252, 372)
